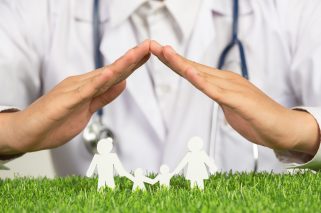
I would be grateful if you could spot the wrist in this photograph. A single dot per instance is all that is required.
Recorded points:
(306, 132)
(8, 134)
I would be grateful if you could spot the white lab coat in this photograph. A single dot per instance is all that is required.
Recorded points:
(44, 41)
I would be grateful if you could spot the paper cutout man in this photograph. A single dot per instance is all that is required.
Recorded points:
(106, 163)
(139, 180)
(196, 161)
(164, 177)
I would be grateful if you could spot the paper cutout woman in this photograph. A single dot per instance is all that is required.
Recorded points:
(196, 161)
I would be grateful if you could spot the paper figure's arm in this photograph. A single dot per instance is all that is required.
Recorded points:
(148, 180)
(155, 180)
(181, 165)
(120, 169)
(210, 163)
(92, 166)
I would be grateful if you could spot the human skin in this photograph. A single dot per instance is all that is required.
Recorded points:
(62, 113)
(247, 109)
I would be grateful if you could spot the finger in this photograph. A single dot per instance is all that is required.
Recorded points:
(131, 59)
(209, 70)
(177, 63)
(107, 97)
(125, 65)
(212, 90)
(180, 64)
(142, 62)
(223, 91)
(73, 82)
(88, 90)
(157, 50)
(225, 84)
(120, 69)
(108, 85)
(84, 77)
(186, 69)
(214, 83)
(162, 53)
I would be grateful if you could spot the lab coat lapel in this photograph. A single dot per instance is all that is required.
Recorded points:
(202, 38)
(118, 40)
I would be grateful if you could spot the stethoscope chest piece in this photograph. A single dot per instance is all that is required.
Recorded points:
(94, 132)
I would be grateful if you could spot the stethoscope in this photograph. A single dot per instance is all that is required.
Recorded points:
(97, 130)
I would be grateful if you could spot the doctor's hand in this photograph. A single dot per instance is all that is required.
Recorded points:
(247, 109)
(58, 116)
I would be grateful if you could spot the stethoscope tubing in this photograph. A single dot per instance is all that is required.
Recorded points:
(235, 41)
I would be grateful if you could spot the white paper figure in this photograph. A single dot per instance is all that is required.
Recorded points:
(164, 177)
(196, 161)
(106, 162)
(140, 179)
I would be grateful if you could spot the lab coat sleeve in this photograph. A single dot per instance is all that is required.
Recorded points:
(3, 161)
(22, 39)
(302, 25)
(300, 160)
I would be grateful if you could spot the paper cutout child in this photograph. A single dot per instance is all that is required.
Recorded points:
(164, 177)
(139, 180)
(106, 163)
(196, 161)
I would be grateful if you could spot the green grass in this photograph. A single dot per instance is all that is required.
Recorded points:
(260, 192)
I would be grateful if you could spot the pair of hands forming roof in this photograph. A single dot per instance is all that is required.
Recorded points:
(61, 114)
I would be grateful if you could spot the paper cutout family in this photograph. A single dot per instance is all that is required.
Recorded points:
(196, 161)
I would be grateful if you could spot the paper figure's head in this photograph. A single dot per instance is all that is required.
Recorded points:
(195, 144)
(164, 169)
(138, 172)
(105, 146)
